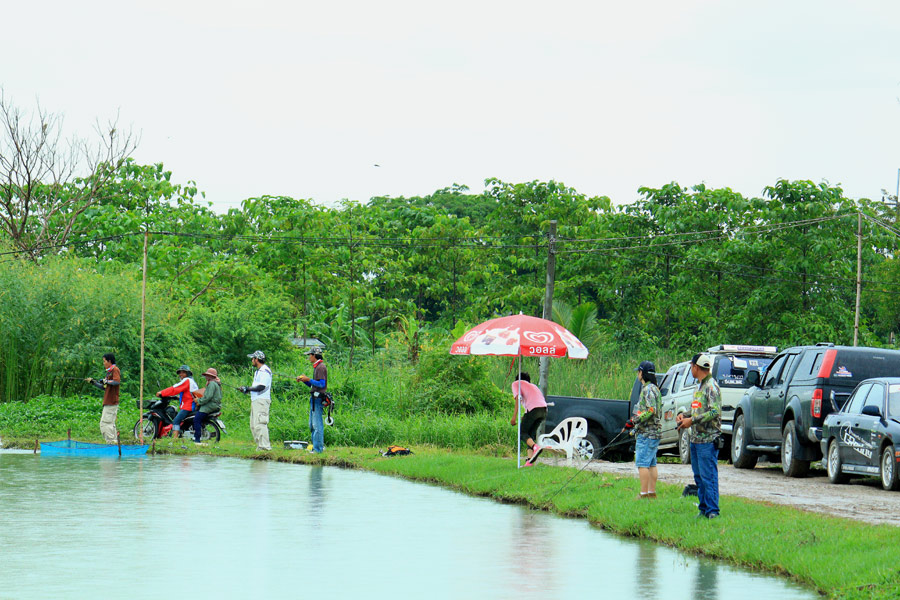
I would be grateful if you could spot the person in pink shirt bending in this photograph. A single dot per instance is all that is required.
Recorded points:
(535, 414)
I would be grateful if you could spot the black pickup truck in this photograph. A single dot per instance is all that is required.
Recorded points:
(782, 414)
(605, 418)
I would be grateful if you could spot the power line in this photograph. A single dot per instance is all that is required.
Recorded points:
(747, 228)
(722, 235)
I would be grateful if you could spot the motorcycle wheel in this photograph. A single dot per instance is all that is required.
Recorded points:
(211, 432)
(149, 427)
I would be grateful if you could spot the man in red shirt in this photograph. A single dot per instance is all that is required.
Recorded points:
(110, 386)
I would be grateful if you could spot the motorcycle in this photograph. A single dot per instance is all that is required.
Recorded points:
(159, 417)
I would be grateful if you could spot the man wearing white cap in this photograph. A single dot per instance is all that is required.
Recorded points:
(706, 427)
(260, 400)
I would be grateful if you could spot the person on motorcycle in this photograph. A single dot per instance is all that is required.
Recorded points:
(209, 403)
(184, 389)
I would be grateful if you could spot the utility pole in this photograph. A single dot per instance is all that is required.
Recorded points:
(548, 300)
(897, 196)
(143, 330)
(858, 276)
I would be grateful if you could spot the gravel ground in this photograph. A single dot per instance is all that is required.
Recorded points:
(862, 499)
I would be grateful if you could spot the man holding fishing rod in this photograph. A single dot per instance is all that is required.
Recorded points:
(318, 385)
(110, 387)
(706, 430)
(260, 400)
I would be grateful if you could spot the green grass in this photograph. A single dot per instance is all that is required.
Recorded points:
(49, 417)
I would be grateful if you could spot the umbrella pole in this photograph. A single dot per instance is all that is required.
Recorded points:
(519, 419)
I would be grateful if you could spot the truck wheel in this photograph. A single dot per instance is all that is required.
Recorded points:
(589, 447)
(741, 458)
(790, 464)
(684, 446)
(890, 480)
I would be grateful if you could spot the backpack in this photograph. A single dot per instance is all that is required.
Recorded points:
(396, 451)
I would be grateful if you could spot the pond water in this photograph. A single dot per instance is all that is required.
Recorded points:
(203, 527)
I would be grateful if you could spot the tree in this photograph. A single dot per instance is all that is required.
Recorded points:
(46, 181)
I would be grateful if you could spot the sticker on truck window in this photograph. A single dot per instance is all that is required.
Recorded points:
(842, 372)
(894, 388)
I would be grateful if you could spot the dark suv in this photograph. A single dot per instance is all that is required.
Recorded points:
(784, 412)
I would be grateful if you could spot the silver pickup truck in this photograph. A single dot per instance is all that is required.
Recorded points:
(731, 364)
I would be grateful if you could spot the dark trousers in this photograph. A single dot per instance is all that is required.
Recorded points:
(704, 463)
(199, 419)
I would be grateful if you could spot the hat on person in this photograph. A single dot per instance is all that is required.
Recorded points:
(258, 354)
(314, 350)
(704, 361)
(647, 367)
(186, 369)
(212, 374)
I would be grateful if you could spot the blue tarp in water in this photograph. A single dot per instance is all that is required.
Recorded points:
(73, 448)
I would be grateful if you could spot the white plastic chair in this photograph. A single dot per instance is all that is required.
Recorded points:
(565, 436)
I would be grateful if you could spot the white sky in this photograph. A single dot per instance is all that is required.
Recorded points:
(303, 98)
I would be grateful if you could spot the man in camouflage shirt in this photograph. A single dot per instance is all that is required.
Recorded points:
(706, 427)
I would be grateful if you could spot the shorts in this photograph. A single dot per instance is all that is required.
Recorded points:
(645, 452)
(533, 423)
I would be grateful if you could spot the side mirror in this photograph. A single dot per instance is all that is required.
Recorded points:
(664, 391)
(752, 378)
(872, 411)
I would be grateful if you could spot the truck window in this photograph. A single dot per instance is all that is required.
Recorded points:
(688, 379)
(810, 362)
(774, 371)
(786, 370)
(731, 371)
(676, 380)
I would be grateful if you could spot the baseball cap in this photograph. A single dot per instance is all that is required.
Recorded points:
(258, 354)
(647, 367)
(704, 361)
(314, 350)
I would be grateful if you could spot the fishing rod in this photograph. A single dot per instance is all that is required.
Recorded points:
(613, 442)
(294, 377)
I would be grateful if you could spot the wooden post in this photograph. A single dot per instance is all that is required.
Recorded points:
(69, 434)
(858, 276)
(119, 443)
(143, 329)
(548, 300)
(37, 445)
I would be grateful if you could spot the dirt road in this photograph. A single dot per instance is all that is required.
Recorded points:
(862, 499)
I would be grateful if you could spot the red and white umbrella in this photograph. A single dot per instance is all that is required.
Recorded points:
(520, 335)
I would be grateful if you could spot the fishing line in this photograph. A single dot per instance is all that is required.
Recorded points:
(599, 454)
